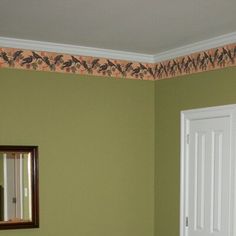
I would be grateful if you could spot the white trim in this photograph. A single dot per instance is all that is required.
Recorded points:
(116, 54)
(74, 50)
(204, 112)
(186, 116)
(196, 47)
(182, 174)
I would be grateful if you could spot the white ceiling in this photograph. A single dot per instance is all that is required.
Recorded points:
(147, 26)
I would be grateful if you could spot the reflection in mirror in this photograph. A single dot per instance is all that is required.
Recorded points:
(15, 185)
(18, 187)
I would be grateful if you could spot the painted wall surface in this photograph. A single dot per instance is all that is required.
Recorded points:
(96, 150)
(171, 96)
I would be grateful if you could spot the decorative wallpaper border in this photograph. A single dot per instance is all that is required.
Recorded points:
(212, 59)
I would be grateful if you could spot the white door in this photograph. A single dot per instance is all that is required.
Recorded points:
(208, 172)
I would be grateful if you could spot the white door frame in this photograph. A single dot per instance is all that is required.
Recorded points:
(186, 117)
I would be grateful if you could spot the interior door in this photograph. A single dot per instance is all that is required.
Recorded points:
(208, 167)
(209, 177)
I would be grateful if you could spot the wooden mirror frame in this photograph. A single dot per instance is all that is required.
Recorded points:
(34, 186)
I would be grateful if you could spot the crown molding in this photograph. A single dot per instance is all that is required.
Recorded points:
(196, 47)
(119, 55)
(74, 50)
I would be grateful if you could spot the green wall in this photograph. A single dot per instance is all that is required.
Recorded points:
(171, 96)
(96, 150)
(96, 143)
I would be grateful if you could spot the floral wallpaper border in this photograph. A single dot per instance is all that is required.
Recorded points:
(212, 59)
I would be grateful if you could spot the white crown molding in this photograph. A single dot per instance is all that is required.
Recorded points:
(118, 55)
(196, 47)
(74, 50)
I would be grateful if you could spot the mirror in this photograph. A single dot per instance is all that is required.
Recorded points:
(19, 206)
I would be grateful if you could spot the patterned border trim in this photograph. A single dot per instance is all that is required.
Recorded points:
(212, 59)
(83, 65)
(48, 61)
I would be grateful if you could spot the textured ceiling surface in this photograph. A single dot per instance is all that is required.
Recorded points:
(150, 26)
